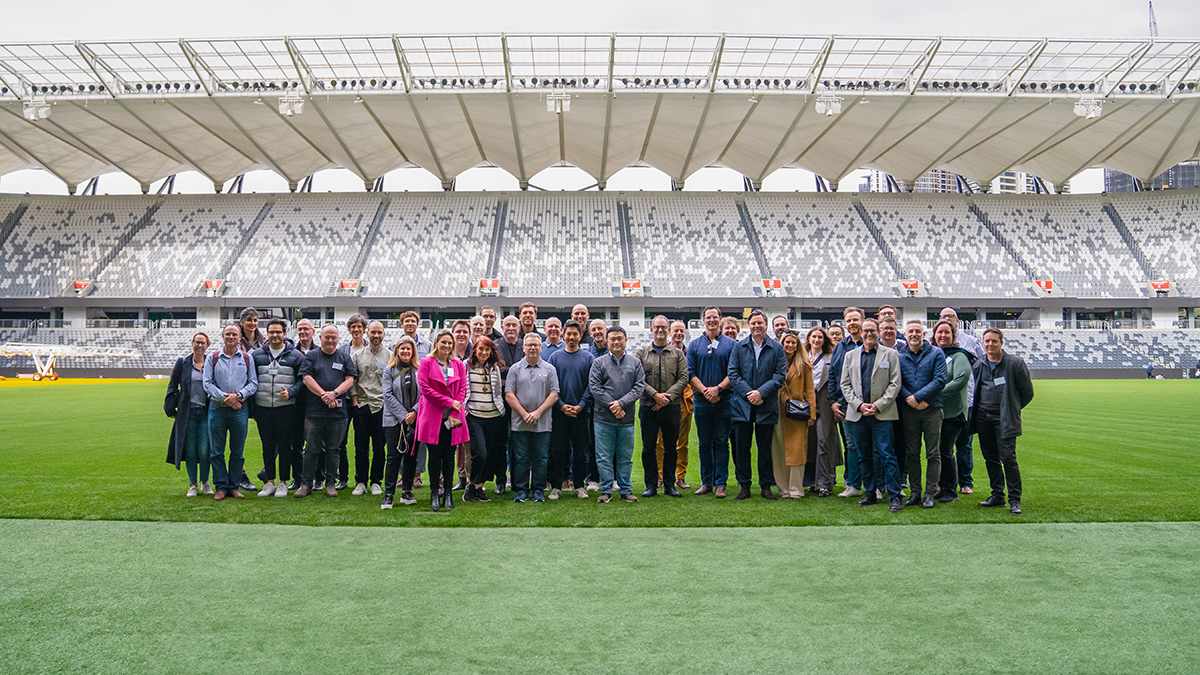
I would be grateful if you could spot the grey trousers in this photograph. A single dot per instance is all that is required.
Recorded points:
(925, 423)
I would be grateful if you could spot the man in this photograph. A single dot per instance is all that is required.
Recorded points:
(571, 416)
(251, 337)
(277, 366)
(889, 334)
(731, 328)
(1002, 389)
(511, 350)
(598, 330)
(870, 381)
(229, 380)
(686, 405)
(616, 381)
(708, 366)
(410, 321)
(478, 328)
(510, 347)
(356, 325)
(304, 345)
(366, 406)
(836, 333)
(757, 369)
(963, 453)
(888, 338)
(885, 312)
(581, 316)
(852, 317)
(923, 375)
(666, 374)
(530, 391)
(527, 312)
(1150, 371)
(779, 324)
(329, 374)
(489, 323)
(554, 341)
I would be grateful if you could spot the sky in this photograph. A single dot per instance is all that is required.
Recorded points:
(69, 20)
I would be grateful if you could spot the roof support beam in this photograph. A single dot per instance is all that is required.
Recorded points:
(208, 79)
(1053, 142)
(853, 164)
(1161, 165)
(366, 106)
(612, 65)
(818, 68)
(358, 170)
(1186, 66)
(19, 149)
(946, 157)
(307, 80)
(508, 86)
(917, 128)
(462, 105)
(441, 173)
(23, 88)
(921, 67)
(741, 125)
(1132, 62)
(821, 135)
(405, 71)
(180, 157)
(115, 84)
(66, 137)
(270, 162)
(1012, 84)
(203, 126)
(1132, 138)
(716, 65)
(608, 102)
(683, 173)
(779, 148)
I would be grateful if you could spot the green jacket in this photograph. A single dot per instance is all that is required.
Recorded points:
(958, 373)
(667, 374)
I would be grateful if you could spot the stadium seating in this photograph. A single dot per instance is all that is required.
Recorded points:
(1070, 240)
(431, 245)
(561, 244)
(60, 240)
(306, 243)
(187, 241)
(690, 245)
(1071, 349)
(819, 246)
(1167, 227)
(1169, 349)
(939, 241)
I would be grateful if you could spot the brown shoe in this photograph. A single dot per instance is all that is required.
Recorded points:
(682, 485)
(219, 496)
(629, 497)
(767, 494)
(702, 490)
(303, 491)
(237, 495)
(603, 498)
(719, 492)
(744, 493)
(417, 482)
(330, 491)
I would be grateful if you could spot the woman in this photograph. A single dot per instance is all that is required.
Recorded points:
(954, 405)
(401, 397)
(188, 404)
(461, 330)
(823, 435)
(485, 413)
(789, 446)
(441, 417)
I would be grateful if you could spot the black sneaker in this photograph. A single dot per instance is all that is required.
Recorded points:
(469, 494)
(341, 485)
(294, 485)
(481, 495)
(262, 475)
(407, 499)
(318, 485)
(387, 502)
(247, 486)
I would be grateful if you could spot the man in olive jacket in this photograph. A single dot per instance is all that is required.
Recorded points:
(666, 376)
(870, 383)
(1002, 388)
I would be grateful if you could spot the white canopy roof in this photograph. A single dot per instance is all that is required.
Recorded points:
(753, 103)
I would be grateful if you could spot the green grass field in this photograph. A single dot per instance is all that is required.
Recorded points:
(1101, 574)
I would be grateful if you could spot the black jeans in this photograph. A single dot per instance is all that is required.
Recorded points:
(441, 462)
(966, 460)
(275, 431)
(570, 439)
(368, 436)
(1000, 457)
(401, 458)
(322, 435)
(665, 420)
(496, 463)
(743, 434)
(951, 428)
(298, 438)
(486, 437)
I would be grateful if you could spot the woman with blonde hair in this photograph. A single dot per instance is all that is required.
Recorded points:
(401, 398)
(789, 447)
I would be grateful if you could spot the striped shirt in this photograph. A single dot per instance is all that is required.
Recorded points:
(479, 401)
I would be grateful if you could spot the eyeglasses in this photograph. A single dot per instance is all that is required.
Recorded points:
(868, 331)
(274, 332)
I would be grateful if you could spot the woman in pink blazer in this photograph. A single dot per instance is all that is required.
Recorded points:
(442, 415)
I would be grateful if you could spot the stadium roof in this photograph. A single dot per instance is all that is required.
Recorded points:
(753, 103)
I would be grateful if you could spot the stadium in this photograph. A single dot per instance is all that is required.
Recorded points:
(1088, 289)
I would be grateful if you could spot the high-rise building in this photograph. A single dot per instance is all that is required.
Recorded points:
(1185, 175)
(936, 181)
(1015, 183)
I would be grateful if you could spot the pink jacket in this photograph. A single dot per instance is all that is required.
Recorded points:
(436, 396)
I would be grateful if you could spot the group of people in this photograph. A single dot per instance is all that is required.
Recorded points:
(550, 412)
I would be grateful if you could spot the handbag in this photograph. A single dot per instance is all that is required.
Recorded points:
(797, 410)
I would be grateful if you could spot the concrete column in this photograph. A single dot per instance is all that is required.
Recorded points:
(342, 314)
(76, 315)
(632, 317)
(208, 318)
(908, 313)
(1163, 317)
(1048, 317)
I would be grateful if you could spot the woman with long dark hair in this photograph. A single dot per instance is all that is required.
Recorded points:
(187, 403)
(823, 436)
(401, 398)
(485, 413)
(441, 417)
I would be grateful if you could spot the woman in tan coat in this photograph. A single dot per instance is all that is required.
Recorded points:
(789, 447)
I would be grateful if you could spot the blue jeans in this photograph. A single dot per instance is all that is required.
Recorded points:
(531, 453)
(195, 448)
(965, 456)
(614, 456)
(853, 470)
(879, 467)
(223, 420)
(712, 433)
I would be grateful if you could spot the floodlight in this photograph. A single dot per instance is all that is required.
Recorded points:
(829, 105)
(1088, 108)
(36, 109)
(291, 104)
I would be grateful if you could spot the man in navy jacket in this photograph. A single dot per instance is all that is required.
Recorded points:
(853, 317)
(922, 378)
(757, 369)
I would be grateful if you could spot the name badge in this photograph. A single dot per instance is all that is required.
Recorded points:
(949, 359)
(883, 364)
(999, 381)
(337, 366)
(273, 370)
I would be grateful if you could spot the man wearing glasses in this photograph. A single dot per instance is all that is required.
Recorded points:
(870, 381)
(708, 365)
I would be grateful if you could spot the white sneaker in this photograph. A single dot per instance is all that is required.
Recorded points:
(359, 490)
(581, 493)
(281, 489)
(268, 490)
(206, 489)
(593, 487)
(554, 494)
(850, 492)
(193, 491)
(376, 489)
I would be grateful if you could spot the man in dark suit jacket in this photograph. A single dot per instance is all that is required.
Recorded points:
(757, 369)
(1002, 388)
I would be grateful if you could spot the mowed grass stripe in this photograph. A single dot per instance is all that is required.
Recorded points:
(1093, 450)
(192, 597)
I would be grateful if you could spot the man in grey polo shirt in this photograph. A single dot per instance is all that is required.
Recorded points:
(530, 390)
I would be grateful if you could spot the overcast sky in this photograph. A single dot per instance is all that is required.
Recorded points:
(68, 20)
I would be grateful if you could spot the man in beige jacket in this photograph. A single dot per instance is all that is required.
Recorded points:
(870, 382)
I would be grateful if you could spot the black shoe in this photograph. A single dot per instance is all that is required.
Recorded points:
(481, 495)
(500, 488)
(341, 485)
(407, 498)
(947, 497)
(1015, 508)
(897, 506)
(928, 503)
(434, 501)
(912, 500)
(822, 492)
(262, 475)
(387, 502)
(448, 503)
(670, 491)
(992, 502)
(767, 494)
(868, 499)
(294, 485)
(650, 492)
(247, 486)
(318, 485)
(744, 493)
(469, 494)
(462, 485)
